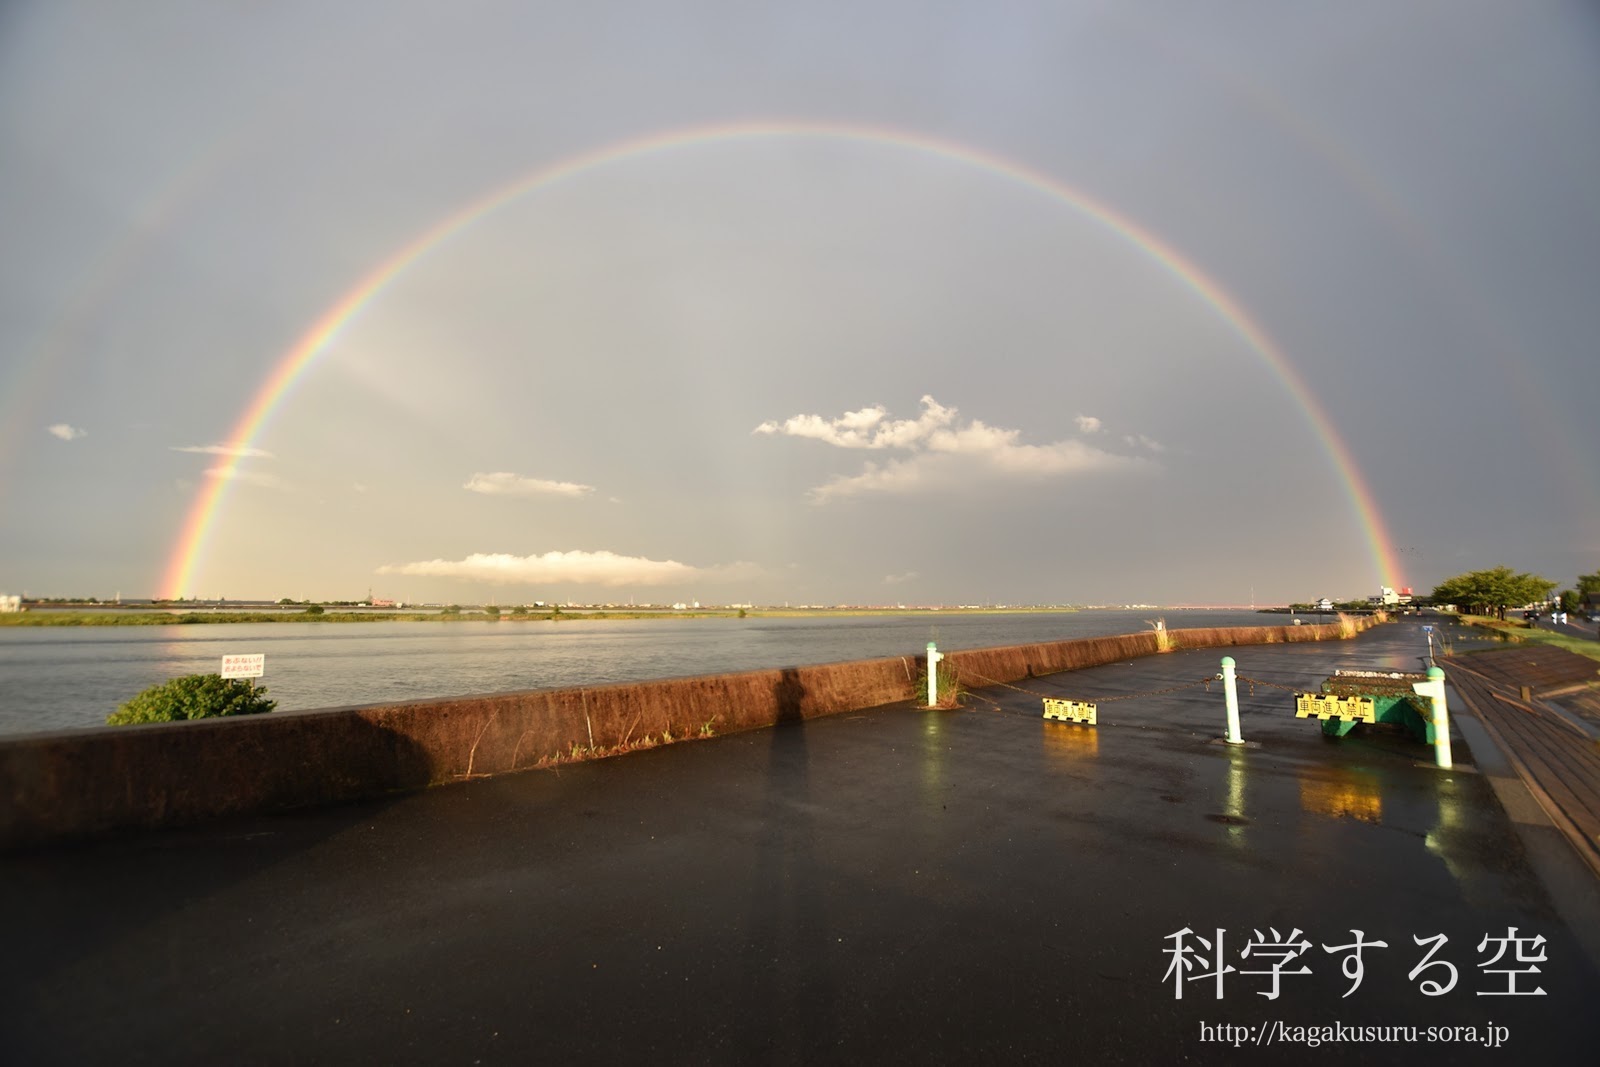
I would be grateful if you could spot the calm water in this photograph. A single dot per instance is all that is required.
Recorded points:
(54, 678)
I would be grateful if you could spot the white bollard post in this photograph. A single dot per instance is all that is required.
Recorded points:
(1230, 690)
(934, 656)
(1433, 689)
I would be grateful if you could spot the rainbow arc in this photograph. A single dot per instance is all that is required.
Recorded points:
(201, 519)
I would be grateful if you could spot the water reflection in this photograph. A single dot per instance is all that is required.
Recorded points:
(1350, 793)
(1069, 743)
(935, 751)
(1342, 792)
(1233, 807)
(1449, 839)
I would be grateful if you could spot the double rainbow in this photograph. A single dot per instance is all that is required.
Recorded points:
(189, 550)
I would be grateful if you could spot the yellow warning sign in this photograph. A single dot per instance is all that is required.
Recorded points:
(1069, 711)
(1318, 706)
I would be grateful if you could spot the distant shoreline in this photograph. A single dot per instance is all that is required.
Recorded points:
(50, 617)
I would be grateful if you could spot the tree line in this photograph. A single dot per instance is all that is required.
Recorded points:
(1492, 591)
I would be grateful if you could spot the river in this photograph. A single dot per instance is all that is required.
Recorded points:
(64, 677)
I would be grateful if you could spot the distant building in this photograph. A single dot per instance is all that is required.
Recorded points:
(1389, 598)
(1324, 604)
(10, 604)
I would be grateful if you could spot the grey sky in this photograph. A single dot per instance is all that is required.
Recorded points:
(700, 372)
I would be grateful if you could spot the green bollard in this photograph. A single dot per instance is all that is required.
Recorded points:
(1433, 689)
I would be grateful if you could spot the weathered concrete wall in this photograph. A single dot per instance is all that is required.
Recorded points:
(72, 783)
(980, 666)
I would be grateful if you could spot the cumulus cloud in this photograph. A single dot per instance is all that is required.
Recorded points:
(67, 433)
(234, 473)
(942, 450)
(504, 483)
(586, 568)
(1139, 440)
(866, 428)
(896, 579)
(224, 450)
(1087, 423)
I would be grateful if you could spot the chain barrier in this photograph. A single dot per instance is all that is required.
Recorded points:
(1206, 682)
(1253, 682)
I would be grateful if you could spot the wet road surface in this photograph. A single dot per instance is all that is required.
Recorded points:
(897, 884)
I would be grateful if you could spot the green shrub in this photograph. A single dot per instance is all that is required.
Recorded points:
(315, 609)
(194, 696)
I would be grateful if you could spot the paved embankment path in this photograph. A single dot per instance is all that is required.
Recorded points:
(1516, 693)
(890, 886)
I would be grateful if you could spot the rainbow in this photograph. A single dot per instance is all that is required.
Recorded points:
(207, 505)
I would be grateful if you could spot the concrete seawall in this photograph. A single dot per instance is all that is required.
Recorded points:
(74, 783)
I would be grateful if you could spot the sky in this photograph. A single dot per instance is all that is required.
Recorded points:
(744, 302)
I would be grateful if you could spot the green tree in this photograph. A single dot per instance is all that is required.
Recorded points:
(1589, 584)
(1490, 592)
(194, 696)
(492, 611)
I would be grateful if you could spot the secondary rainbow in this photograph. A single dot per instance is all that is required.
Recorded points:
(201, 518)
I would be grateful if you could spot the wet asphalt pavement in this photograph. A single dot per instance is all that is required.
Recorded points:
(893, 885)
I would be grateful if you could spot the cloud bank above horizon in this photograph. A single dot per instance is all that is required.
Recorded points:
(603, 568)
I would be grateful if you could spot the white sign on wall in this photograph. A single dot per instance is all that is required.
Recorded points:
(251, 666)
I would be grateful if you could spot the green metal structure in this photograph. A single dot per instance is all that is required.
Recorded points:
(1351, 697)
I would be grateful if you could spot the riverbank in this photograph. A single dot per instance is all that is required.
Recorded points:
(1517, 631)
(894, 886)
(84, 781)
(132, 617)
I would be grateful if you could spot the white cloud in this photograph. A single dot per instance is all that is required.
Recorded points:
(504, 483)
(224, 450)
(1148, 443)
(589, 568)
(944, 451)
(67, 433)
(360, 487)
(234, 473)
(865, 428)
(896, 579)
